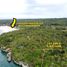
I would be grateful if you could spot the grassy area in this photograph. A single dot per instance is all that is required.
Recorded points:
(32, 45)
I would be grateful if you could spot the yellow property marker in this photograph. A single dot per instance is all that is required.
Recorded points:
(13, 23)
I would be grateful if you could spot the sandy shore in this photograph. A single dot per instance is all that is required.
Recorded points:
(5, 29)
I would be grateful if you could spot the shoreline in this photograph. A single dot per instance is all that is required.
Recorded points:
(19, 63)
(6, 29)
(7, 51)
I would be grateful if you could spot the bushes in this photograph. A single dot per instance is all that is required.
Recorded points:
(29, 45)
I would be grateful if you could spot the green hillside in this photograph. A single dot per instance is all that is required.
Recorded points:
(44, 46)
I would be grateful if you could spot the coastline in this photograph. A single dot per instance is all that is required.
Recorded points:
(5, 53)
(19, 63)
(6, 29)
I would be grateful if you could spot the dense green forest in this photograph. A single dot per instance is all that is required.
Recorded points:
(59, 21)
(43, 46)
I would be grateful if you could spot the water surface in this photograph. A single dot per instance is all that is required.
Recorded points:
(4, 62)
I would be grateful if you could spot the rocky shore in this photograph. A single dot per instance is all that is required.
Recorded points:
(9, 57)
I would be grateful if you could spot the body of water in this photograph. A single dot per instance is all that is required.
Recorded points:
(4, 62)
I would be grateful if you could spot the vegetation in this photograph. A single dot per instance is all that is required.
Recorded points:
(38, 46)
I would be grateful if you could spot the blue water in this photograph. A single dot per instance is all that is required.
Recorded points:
(5, 63)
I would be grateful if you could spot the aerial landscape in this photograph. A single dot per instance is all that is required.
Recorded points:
(33, 33)
(43, 45)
